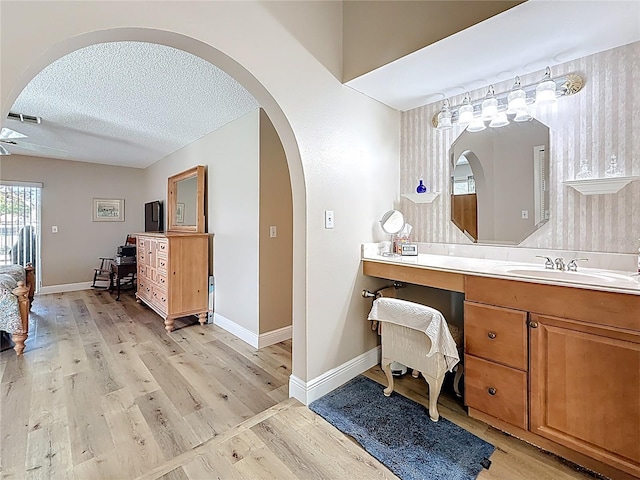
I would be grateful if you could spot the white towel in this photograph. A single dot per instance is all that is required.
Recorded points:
(419, 317)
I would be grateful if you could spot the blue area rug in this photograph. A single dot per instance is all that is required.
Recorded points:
(398, 432)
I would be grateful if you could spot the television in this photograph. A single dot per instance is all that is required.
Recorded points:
(153, 219)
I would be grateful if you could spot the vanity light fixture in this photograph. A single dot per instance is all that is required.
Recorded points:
(465, 112)
(499, 120)
(518, 101)
(517, 98)
(546, 90)
(444, 117)
(476, 125)
(489, 105)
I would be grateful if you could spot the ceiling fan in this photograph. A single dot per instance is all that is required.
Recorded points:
(14, 138)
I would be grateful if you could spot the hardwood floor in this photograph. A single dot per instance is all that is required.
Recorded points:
(103, 392)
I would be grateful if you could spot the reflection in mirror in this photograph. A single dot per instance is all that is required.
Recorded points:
(185, 199)
(464, 200)
(186, 196)
(499, 184)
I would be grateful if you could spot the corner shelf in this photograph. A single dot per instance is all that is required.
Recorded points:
(600, 186)
(421, 197)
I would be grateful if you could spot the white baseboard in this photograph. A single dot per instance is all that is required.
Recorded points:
(328, 381)
(65, 287)
(238, 330)
(274, 336)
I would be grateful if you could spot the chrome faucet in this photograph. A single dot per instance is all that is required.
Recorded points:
(572, 266)
(548, 262)
(560, 264)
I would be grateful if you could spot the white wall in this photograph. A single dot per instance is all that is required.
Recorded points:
(69, 256)
(231, 156)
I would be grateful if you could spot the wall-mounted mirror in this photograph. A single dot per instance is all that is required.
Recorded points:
(185, 199)
(499, 182)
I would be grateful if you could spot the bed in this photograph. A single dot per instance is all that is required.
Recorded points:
(17, 286)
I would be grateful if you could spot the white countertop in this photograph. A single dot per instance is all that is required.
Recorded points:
(589, 278)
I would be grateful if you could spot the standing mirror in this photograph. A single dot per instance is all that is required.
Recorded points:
(185, 198)
(392, 223)
(499, 184)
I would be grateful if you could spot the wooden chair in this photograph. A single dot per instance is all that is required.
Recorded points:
(103, 274)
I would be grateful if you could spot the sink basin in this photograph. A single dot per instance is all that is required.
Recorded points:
(584, 276)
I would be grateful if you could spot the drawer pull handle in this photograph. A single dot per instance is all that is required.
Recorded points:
(491, 391)
(533, 324)
(491, 335)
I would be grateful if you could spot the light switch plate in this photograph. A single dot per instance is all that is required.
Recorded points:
(54, 229)
(328, 219)
(273, 231)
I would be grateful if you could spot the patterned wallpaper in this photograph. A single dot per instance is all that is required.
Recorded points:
(601, 120)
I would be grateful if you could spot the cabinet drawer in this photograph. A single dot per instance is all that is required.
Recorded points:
(163, 246)
(143, 271)
(159, 299)
(496, 390)
(161, 263)
(161, 281)
(144, 289)
(496, 334)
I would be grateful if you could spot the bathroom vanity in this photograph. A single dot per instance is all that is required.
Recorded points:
(551, 357)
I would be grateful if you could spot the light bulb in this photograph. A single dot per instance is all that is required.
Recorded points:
(517, 98)
(489, 105)
(546, 90)
(444, 117)
(476, 125)
(500, 120)
(465, 112)
(523, 115)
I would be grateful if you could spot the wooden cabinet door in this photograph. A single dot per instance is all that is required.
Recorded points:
(147, 251)
(585, 388)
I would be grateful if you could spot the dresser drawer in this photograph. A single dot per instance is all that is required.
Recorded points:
(161, 281)
(143, 271)
(496, 334)
(496, 390)
(144, 289)
(161, 262)
(159, 299)
(163, 247)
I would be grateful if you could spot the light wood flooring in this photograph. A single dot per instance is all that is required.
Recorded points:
(102, 392)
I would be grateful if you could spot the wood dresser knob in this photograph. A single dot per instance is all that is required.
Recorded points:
(491, 335)
(491, 391)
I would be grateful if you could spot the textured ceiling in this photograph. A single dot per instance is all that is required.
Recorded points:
(126, 103)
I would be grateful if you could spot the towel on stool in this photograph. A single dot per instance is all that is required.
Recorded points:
(419, 317)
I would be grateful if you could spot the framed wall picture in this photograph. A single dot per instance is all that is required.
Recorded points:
(179, 212)
(108, 210)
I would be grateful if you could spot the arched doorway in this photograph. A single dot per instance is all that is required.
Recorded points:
(269, 105)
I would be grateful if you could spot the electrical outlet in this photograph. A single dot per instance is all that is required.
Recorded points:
(273, 231)
(525, 214)
(54, 229)
(328, 219)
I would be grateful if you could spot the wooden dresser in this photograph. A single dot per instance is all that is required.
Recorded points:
(173, 271)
